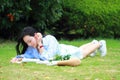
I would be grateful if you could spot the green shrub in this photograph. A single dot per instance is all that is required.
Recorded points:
(74, 19)
(14, 15)
(87, 18)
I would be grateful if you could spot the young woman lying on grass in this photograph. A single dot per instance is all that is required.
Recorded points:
(45, 49)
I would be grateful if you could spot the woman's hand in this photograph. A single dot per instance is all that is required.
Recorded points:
(38, 37)
(16, 60)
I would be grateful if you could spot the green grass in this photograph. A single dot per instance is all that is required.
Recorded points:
(91, 68)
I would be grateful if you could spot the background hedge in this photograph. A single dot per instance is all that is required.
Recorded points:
(62, 18)
(90, 18)
(14, 15)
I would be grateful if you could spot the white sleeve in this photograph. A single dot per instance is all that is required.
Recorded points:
(51, 47)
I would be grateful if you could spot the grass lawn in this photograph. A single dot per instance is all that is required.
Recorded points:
(91, 68)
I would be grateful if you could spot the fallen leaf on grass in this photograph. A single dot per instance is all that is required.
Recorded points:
(47, 77)
(1, 72)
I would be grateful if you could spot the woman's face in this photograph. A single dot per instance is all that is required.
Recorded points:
(30, 40)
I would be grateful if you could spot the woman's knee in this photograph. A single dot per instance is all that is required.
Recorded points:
(76, 62)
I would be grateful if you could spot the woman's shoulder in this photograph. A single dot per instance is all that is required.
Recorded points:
(49, 36)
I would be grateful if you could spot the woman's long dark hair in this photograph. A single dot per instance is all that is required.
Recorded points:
(21, 45)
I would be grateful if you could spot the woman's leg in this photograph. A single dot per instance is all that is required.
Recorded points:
(70, 62)
(88, 44)
(89, 48)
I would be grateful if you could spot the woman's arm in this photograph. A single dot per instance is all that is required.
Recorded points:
(50, 47)
(38, 37)
(70, 62)
(16, 60)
